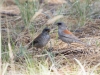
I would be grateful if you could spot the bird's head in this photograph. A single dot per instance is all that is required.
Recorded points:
(61, 25)
(46, 29)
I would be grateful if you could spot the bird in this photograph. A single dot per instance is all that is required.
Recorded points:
(41, 40)
(65, 35)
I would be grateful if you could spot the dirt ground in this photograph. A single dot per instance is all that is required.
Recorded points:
(89, 33)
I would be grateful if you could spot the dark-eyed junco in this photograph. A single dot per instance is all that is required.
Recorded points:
(65, 35)
(42, 39)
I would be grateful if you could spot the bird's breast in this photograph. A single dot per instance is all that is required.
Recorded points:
(45, 39)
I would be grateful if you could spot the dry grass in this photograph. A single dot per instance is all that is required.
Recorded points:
(19, 30)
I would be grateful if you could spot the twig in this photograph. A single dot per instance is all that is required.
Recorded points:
(54, 52)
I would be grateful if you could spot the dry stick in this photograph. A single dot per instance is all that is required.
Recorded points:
(55, 52)
(10, 52)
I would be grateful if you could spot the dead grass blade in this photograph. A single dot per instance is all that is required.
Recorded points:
(36, 14)
(94, 68)
(5, 68)
(54, 69)
(10, 52)
(57, 1)
(84, 72)
(11, 57)
(52, 20)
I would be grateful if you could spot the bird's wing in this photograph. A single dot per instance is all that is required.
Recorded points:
(70, 35)
(36, 40)
(68, 32)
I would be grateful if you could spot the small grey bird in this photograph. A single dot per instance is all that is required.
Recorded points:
(42, 39)
(65, 35)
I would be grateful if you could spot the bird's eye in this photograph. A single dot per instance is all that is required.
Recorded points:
(59, 23)
(47, 30)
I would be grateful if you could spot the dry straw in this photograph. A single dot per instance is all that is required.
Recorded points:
(52, 20)
(36, 14)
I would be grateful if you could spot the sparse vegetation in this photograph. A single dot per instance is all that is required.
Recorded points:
(19, 30)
